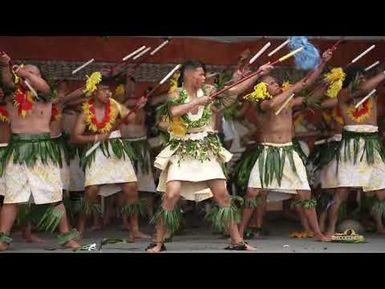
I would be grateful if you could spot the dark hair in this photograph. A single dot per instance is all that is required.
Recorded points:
(351, 74)
(108, 81)
(263, 79)
(187, 65)
(121, 78)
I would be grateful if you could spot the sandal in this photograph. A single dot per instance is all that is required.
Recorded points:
(154, 244)
(237, 247)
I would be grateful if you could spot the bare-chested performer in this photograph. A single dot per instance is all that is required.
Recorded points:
(32, 159)
(359, 161)
(110, 162)
(277, 164)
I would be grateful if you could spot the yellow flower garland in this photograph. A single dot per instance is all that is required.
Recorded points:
(112, 111)
(260, 93)
(362, 113)
(335, 78)
(92, 82)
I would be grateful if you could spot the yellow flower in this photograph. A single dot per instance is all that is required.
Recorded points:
(334, 75)
(120, 89)
(286, 85)
(92, 82)
(107, 122)
(174, 82)
(335, 78)
(334, 89)
(260, 93)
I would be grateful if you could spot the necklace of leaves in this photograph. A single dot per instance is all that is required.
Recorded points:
(202, 121)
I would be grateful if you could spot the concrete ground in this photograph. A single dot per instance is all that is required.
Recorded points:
(198, 237)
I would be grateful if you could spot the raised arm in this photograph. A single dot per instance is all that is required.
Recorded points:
(278, 100)
(238, 89)
(181, 109)
(158, 99)
(368, 85)
(72, 96)
(329, 103)
(326, 56)
(309, 79)
(6, 75)
(38, 83)
(363, 88)
(230, 96)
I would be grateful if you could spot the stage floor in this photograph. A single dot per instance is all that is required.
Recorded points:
(202, 240)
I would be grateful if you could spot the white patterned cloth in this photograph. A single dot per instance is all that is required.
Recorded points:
(291, 181)
(193, 173)
(328, 173)
(40, 183)
(64, 170)
(370, 177)
(109, 170)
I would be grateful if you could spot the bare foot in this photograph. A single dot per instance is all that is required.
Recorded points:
(155, 248)
(32, 238)
(72, 244)
(3, 246)
(322, 238)
(242, 246)
(250, 248)
(329, 234)
(139, 236)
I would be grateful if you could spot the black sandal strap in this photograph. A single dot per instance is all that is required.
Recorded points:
(154, 244)
(237, 247)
